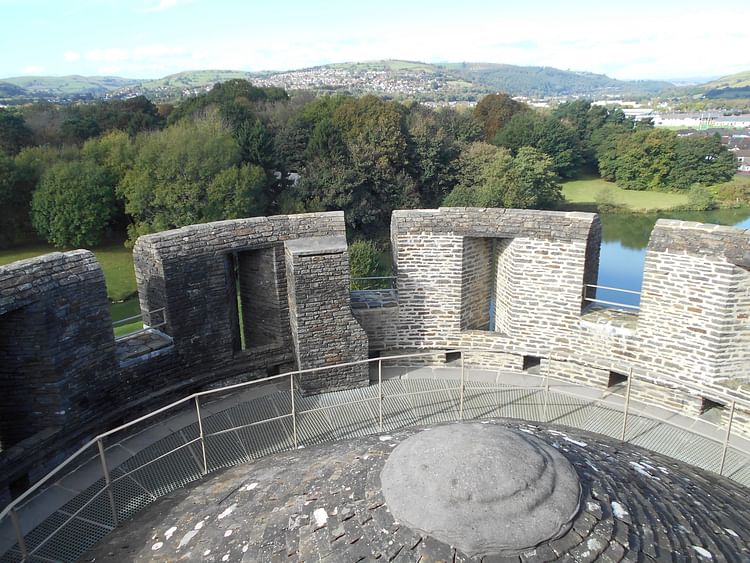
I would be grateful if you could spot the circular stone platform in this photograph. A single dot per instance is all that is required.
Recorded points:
(326, 503)
(483, 488)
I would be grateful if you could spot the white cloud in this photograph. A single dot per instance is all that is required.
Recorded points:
(107, 55)
(71, 56)
(34, 69)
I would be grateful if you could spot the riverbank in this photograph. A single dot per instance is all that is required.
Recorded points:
(587, 192)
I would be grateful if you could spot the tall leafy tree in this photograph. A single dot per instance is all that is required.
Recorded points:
(167, 185)
(545, 133)
(494, 111)
(14, 134)
(16, 184)
(501, 180)
(701, 160)
(73, 204)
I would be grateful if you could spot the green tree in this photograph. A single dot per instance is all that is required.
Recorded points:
(546, 133)
(237, 192)
(73, 204)
(431, 154)
(494, 111)
(14, 134)
(645, 159)
(168, 182)
(701, 160)
(364, 262)
(16, 184)
(700, 198)
(501, 180)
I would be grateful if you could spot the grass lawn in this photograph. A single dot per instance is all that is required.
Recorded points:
(585, 191)
(129, 308)
(117, 264)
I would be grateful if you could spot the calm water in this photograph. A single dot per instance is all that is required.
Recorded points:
(624, 240)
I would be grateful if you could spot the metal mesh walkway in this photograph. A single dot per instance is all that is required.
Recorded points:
(72, 514)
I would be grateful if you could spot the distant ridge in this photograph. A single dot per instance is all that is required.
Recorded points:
(416, 80)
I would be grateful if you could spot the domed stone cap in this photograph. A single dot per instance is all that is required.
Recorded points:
(482, 488)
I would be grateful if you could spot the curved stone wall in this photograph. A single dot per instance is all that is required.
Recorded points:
(240, 299)
(246, 298)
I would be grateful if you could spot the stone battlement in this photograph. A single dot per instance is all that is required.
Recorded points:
(243, 299)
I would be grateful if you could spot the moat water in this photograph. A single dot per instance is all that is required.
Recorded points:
(624, 240)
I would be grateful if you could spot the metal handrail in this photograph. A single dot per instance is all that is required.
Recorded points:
(145, 328)
(606, 302)
(613, 288)
(138, 316)
(11, 508)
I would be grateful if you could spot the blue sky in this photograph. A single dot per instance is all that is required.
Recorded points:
(153, 38)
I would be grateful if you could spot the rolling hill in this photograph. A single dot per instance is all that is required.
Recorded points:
(387, 78)
(63, 86)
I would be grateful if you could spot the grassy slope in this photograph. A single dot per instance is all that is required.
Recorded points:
(116, 262)
(585, 191)
(69, 85)
(738, 80)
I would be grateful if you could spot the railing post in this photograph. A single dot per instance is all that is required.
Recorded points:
(461, 393)
(200, 434)
(546, 389)
(380, 393)
(627, 405)
(108, 483)
(294, 410)
(726, 440)
(19, 535)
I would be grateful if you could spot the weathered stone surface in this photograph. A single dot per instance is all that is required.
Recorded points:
(483, 488)
(326, 503)
(218, 293)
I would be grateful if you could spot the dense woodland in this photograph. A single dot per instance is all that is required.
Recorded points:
(76, 174)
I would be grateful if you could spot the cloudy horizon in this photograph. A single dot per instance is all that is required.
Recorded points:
(154, 38)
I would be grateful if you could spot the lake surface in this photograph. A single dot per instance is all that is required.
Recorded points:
(624, 240)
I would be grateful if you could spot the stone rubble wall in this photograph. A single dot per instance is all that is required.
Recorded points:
(56, 344)
(692, 336)
(324, 331)
(61, 380)
(61, 375)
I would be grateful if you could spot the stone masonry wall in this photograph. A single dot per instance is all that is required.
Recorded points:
(541, 261)
(689, 342)
(324, 331)
(193, 282)
(63, 378)
(476, 283)
(55, 341)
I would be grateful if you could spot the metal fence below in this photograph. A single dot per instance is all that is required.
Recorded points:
(119, 473)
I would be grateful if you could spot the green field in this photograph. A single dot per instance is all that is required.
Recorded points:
(117, 264)
(586, 191)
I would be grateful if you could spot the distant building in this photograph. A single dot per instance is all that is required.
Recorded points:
(743, 161)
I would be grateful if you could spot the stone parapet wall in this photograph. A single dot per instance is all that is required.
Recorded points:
(690, 342)
(223, 289)
(55, 341)
(253, 297)
(324, 331)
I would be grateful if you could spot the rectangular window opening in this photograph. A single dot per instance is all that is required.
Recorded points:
(707, 406)
(532, 364)
(479, 283)
(253, 294)
(452, 357)
(616, 378)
